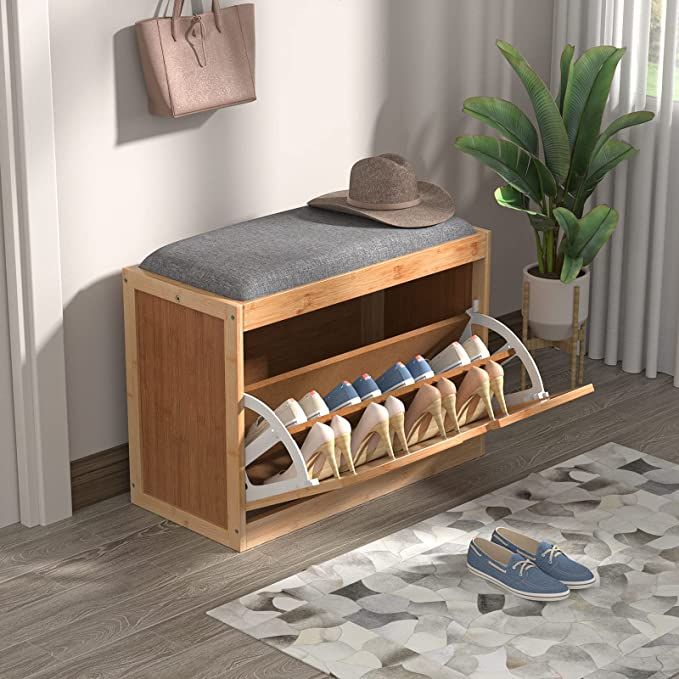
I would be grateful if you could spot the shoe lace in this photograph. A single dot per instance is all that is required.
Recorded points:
(552, 553)
(523, 566)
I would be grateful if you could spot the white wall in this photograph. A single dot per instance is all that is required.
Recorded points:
(9, 484)
(336, 80)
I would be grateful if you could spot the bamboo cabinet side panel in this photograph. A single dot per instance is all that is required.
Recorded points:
(182, 408)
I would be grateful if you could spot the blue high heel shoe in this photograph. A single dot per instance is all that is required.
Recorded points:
(394, 378)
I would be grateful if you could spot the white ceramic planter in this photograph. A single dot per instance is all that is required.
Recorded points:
(550, 308)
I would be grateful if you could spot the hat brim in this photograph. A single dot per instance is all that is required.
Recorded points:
(436, 206)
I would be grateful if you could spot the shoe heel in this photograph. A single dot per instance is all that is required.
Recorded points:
(343, 451)
(327, 450)
(397, 426)
(448, 403)
(497, 387)
(484, 394)
(317, 459)
(437, 414)
(382, 430)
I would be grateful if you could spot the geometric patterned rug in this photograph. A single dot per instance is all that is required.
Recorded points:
(405, 606)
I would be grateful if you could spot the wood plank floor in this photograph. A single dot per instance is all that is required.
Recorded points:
(115, 592)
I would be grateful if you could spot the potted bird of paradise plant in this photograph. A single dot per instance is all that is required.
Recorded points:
(552, 190)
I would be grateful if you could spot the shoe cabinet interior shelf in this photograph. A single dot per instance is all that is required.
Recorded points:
(201, 368)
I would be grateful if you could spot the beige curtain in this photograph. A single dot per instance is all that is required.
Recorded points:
(634, 312)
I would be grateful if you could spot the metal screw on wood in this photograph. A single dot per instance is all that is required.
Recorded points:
(177, 298)
(233, 318)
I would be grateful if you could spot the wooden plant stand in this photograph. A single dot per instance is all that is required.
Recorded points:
(201, 368)
(573, 345)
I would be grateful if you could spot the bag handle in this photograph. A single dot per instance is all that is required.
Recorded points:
(176, 13)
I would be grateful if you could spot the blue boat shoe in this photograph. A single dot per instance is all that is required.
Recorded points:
(512, 572)
(419, 368)
(396, 377)
(341, 396)
(366, 387)
(547, 557)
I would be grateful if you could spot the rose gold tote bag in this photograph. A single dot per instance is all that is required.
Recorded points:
(200, 62)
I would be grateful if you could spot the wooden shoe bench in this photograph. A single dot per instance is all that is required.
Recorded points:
(201, 367)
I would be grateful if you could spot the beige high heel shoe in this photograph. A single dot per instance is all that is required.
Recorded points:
(370, 438)
(473, 397)
(318, 451)
(342, 430)
(424, 417)
(497, 383)
(397, 432)
(448, 403)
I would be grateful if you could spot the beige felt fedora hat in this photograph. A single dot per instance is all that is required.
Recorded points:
(385, 188)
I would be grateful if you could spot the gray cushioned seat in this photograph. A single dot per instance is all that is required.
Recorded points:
(288, 249)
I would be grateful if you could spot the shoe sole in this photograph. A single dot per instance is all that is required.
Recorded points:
(579, 585)
(443, 368)
(516, 592)
(351, 402)
(402, 383)
(372, 394)
(478, 357)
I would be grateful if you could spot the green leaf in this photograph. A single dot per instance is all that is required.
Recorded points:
(585, 100)
(569, 201)
(554, 138)
(583, 238)
(569, 225)
(596, 227)
(508, 196)
(507, 118)
(541, 223)
(621, 123)
(571, 268)
(566, 71)
(547, 181)
(612, 153)
(512, 163)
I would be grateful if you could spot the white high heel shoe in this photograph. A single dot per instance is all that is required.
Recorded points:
(318, 451)
(397, 432)
(370, 438)
(342, 429)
